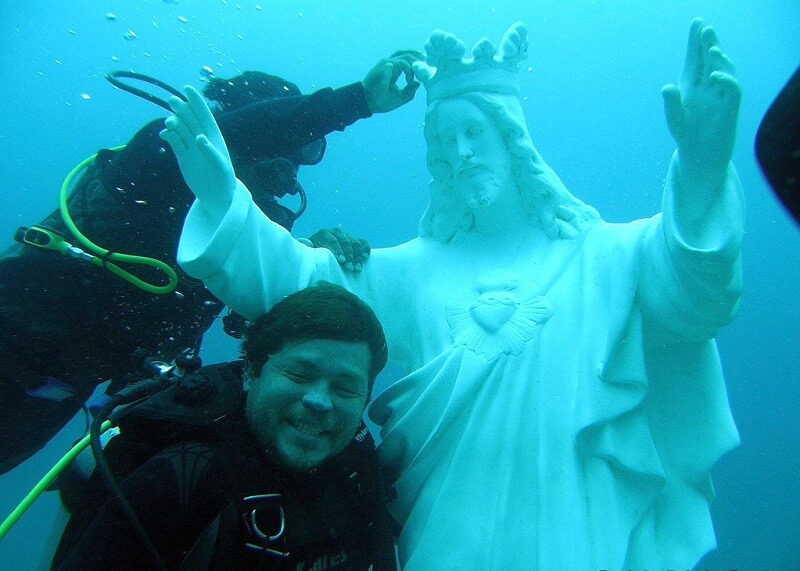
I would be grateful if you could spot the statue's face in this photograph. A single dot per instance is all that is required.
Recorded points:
(476, 152)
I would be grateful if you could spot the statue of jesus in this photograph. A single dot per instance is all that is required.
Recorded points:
(563, 402)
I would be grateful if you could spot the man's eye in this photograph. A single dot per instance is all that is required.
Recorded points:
(346, 391)
(298, 376)
(474, 131)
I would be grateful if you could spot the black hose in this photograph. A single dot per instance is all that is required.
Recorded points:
(112, 78)
(128, 394)
(303, 203)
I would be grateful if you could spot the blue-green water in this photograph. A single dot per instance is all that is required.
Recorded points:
(592, 85)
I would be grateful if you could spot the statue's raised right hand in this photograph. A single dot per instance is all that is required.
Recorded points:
(200, 149)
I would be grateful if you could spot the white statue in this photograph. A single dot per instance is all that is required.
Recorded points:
(564, 402)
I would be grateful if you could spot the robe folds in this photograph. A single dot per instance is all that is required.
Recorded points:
(563, 405)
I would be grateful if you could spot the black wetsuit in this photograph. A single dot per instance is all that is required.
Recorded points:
(79, 323)
(332, 518)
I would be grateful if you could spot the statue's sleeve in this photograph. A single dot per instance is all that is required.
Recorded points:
(692, 289)
(248, 261)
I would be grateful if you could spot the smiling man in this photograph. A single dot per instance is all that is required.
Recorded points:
(267, 465)
(307, 403)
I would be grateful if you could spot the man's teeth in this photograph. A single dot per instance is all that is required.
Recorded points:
(309, 429)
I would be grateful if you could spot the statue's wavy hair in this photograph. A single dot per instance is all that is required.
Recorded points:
(545, 198)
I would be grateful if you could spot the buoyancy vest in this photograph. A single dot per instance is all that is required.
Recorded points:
(308, 509)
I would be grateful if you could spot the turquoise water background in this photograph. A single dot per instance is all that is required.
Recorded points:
(591, 87)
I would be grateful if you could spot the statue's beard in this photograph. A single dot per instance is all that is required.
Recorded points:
(481, 191)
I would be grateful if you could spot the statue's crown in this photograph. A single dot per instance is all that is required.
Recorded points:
(447, 73)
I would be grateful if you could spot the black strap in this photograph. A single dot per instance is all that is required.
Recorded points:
(215, 547)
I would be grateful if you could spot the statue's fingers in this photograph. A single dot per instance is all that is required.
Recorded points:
(177, 144)
(708, 38)
(708, 41)
(720, 62)
(193, 114)
(177, 104)
(177, 126)
(209, 151)
(673, 108)
(692, 66)
(183, 110)
(204, 122)
(200, 110)
(728, 88)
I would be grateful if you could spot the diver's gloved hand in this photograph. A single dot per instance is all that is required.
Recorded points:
(350, 252)
(202, 154)
(380, 84)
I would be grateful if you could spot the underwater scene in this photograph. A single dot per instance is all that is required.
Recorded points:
(634, 489)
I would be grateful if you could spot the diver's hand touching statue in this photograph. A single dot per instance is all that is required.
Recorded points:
(351, 252)
(380, 84)
(195, 138)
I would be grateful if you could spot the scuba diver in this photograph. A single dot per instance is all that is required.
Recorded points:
(69, 322)
(778, 145)
(260, 464)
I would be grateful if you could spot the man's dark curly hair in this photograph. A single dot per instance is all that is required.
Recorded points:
(320, 311)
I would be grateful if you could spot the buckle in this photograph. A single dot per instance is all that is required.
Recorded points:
(39, 237)
(260, 539)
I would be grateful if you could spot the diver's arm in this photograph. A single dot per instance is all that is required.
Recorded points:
(281, 126)
(278, 127)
